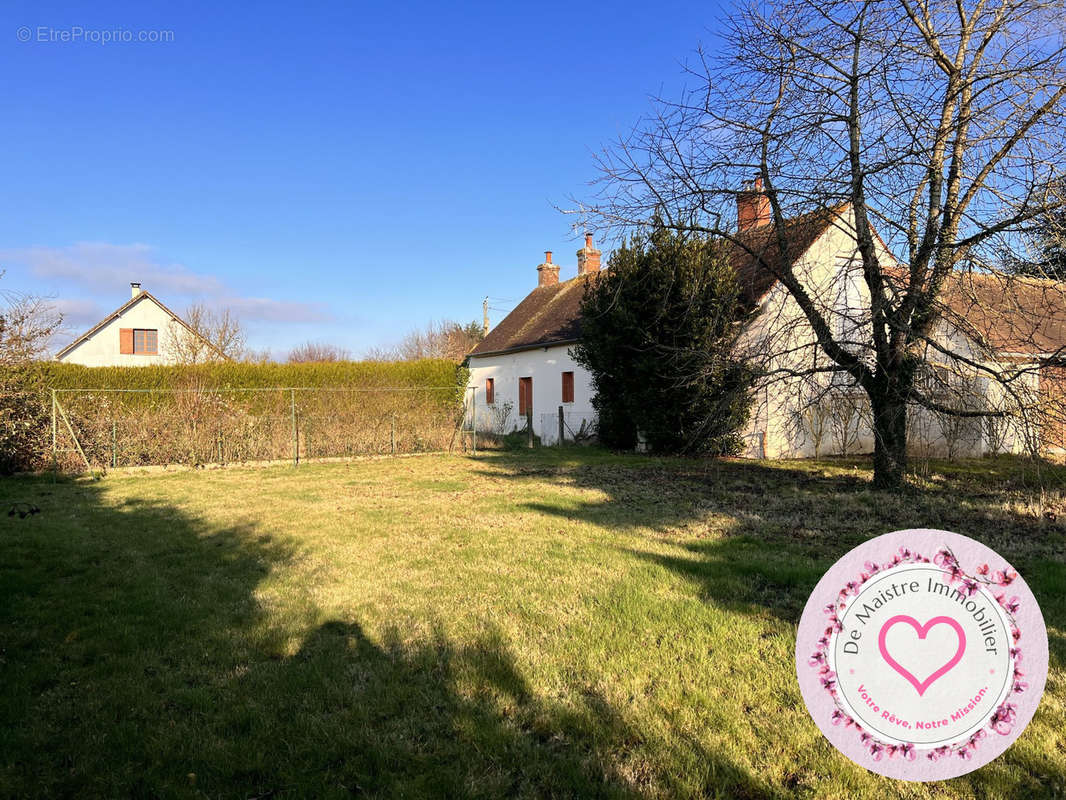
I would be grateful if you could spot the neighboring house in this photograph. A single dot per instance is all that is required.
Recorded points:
(525, 362)
(140, 332)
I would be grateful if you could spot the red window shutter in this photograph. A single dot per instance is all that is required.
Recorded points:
(525, 395)
(568, 387)
(125, 341)
(490, 391)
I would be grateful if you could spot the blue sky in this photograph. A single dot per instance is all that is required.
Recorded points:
(332, 171)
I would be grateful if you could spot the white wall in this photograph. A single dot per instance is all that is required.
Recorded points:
(546, 366)
(781, 341)
(102, 348)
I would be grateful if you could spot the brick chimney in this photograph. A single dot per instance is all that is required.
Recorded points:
(547, 273)
(753, 207)
(135, 289)
(588, 257)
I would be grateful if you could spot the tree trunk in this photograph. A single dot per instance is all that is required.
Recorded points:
(890, 439)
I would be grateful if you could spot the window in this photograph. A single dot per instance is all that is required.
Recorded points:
(145, 341)
(525, 396)
(568, 387)
(490, 391)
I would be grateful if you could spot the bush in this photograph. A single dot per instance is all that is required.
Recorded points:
(25, 423)
(659, 329)
(214, 413)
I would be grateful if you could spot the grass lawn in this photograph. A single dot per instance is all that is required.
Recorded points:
(555, 623)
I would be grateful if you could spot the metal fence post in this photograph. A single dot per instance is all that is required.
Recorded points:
(392, 433)
(295, 434)
(529, 424)
(562, 425)
(55, 455)
(114, 444)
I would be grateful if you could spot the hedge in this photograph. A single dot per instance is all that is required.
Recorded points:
(428, 373)
(226, 412)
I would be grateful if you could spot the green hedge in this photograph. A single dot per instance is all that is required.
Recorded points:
(226, 413)
(363, 374)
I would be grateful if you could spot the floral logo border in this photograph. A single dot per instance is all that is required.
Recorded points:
(1002, 719)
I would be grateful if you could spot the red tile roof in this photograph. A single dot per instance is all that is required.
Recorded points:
(759, 247)
(551, 315)
(1008, 313)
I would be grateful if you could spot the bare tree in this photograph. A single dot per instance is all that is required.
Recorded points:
(937, 124)
(263, 356)
(318, 352)
(212, 335)
(28, 325)
(445, 339)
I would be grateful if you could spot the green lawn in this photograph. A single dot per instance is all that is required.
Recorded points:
(556, 623)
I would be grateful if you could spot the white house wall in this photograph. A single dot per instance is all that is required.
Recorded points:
(102, 348)
(780, 340)
(546, 366)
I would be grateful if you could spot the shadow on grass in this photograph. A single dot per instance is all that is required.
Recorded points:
(755, 538)
(141, 658)
(443, 720)
(763, 534)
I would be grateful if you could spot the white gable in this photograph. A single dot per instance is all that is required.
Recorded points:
(100, 347)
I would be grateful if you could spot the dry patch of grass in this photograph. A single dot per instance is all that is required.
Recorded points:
(569, 623)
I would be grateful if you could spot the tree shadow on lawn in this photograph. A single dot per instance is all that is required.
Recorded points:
(762, 535)
(439, 719)
(138, 660)
(755, 539)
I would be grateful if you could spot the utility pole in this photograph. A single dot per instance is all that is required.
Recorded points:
(485, 316)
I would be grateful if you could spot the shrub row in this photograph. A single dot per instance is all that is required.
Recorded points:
(367, 374)
(244, 412)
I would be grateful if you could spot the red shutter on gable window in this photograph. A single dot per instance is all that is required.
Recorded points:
(125, 341)
(568, 387)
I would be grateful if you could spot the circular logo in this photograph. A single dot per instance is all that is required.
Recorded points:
(921, 655)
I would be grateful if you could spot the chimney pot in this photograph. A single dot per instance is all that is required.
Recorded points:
(547, 256)
(135, 289)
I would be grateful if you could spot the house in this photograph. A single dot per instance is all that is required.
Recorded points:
(525, 365)
(140, 332)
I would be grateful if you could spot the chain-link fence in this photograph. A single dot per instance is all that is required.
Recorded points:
(101, 428)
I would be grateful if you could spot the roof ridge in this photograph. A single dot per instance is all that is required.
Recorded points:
(544, 319)
(1011, 276)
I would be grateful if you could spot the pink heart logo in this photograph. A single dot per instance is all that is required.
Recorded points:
(921, 630)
